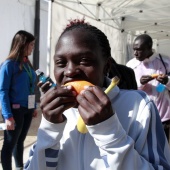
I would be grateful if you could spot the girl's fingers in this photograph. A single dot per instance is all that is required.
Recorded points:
(94, 105)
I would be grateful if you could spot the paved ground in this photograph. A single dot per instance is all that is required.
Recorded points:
(30, 139)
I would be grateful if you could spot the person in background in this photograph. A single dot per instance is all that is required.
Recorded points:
(151, 71)
(126, 75)
(124, 127)
(17, 98)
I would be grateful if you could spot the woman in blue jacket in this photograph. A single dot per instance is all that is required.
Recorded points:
(17, 98)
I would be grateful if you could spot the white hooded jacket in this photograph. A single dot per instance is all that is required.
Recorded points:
(132, 139)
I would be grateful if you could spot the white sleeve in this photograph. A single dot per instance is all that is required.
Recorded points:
(44, 154)
(148, 150)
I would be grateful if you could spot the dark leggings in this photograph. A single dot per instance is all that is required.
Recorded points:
(14, 139)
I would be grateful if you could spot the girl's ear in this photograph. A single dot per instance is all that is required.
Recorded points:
(108, 65)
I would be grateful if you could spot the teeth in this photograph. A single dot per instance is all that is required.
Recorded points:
(80, 124)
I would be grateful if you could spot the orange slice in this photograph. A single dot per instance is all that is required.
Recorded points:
(79, 85)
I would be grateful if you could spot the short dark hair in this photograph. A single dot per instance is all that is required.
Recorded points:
(98, 34)
(146, 39)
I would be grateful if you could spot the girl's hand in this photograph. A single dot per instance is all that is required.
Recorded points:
(94, 105)
(55, 101)
(44, 86)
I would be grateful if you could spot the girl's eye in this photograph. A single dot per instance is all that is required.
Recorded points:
(60, 63)
(85, 61)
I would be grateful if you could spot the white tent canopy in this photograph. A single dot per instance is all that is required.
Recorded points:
(120, 20)
(146, 16)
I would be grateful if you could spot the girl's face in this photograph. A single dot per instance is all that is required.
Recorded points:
(78, 56)
(30, 48)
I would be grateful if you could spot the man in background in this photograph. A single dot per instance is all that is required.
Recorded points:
(151, 71)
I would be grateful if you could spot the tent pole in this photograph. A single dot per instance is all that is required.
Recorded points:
(36, 48)
(49, 37)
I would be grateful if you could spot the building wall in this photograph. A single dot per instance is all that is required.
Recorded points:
(19, 15)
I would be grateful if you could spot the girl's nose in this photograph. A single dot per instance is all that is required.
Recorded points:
(71, 70)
